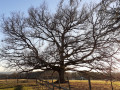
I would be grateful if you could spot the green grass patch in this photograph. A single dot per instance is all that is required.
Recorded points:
(8, 89)
(28, 88)
(18, 87)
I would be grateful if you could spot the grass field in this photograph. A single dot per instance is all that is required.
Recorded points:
(22, 84)
(75, 85)
(96, 85)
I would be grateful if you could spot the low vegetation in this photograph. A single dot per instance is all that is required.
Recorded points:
(96, 85)
(24, 84)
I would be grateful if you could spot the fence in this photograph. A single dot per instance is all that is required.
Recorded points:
(52, 86)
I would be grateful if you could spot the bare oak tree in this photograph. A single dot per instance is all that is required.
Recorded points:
(73, 37)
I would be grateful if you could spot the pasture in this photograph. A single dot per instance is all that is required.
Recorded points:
(23, 84)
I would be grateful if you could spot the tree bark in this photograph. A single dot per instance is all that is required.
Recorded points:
(61, 77)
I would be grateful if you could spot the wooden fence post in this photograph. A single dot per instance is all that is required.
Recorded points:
(68, 83)
(17, 78)
(6, 79)
(52, 83)
(36, 81)
(42, 84)
(89, 82)
(59, 83)
(45, 85)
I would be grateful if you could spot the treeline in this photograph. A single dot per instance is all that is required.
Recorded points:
(70, 75)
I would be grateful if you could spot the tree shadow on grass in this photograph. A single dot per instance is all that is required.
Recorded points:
(6, 87)
(18, 87)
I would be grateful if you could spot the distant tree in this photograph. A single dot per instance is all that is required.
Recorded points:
(110, 72)
(73, 37)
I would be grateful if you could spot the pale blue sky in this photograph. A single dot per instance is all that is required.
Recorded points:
(8, 6)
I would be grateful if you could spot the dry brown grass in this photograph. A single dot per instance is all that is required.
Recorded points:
(96, 85)
(75, 85)
(11, 84)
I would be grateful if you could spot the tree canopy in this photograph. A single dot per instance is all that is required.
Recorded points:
(74, 37)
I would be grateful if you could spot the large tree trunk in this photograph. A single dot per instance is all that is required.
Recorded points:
(61, 77)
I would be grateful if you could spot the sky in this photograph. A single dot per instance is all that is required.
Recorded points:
(8, 6)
